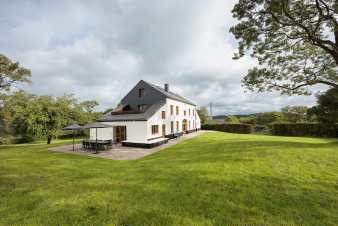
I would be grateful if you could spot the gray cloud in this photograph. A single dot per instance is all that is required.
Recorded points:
(100, 49)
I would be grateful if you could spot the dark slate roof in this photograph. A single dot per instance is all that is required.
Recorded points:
(169, 94)
(143, 116)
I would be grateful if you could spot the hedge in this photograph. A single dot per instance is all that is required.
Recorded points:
(9, 139)
(230, 127)
(304, 129)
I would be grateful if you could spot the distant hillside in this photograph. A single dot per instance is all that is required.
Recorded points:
(242, 115)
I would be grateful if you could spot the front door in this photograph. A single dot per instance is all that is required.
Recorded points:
(163, 130)
(184, 125)
(120, 133)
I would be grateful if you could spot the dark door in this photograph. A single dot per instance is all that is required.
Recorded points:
(120, 133)
(163, 130)
(184, 125)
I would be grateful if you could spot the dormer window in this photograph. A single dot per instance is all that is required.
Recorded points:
(142, 107)
(140, 92)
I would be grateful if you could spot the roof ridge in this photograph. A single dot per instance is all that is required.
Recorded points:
(135, 116)
(168, 93)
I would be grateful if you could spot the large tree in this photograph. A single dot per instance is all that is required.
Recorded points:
(294, 41)
(47, 115)
(11, 72)
(327, 109)
(14, 113)
(24, 115)
(203, 114)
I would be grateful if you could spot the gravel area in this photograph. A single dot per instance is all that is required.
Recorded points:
(119, 152)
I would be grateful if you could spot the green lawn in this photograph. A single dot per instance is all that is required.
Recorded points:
(214, 179)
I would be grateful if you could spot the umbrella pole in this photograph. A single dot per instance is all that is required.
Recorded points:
(73, 139)
(96, 141)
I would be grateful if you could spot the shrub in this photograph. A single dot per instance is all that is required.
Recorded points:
(9, 139)
(231, 128)
(23, 139)
(304, 129)
(261, 129)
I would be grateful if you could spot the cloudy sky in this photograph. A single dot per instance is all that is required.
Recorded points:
(101, 49)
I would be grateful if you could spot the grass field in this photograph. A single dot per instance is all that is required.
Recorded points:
(214, 179)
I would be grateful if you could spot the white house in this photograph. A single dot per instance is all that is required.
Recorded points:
(148, 116)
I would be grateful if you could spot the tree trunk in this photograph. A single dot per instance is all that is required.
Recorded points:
(49, 139)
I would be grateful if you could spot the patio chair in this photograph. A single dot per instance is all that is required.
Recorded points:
(109, 144)
(84, 145)
(176, 135)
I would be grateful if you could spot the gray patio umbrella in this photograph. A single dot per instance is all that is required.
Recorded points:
(96, 125)
(73, 128)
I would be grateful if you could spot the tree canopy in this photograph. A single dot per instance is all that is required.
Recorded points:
(231, 119)
(295, 114)
(269, 117)
(11, 72)
(294, 41)
(326, 110)
(203, 114)
(27, 115)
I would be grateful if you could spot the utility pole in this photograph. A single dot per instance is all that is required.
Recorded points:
(210, 106)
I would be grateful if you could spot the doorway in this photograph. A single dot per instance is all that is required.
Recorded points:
(120, 133)
(184, 125)
(163, 130)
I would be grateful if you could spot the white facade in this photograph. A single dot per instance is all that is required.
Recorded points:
(193, 120)
(142, 132)
(135, 131)
(101, 133)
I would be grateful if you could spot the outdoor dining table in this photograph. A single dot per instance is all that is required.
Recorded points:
(96, 144)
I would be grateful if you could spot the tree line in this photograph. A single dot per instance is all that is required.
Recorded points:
(25, 116)
(325, 111)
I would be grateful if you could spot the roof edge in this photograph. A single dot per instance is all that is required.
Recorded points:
(170, 94)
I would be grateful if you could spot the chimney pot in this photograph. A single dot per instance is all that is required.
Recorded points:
(166, 87)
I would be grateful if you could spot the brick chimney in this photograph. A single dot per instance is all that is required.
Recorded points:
(166, 87)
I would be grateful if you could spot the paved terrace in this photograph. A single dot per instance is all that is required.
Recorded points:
(119, 152)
